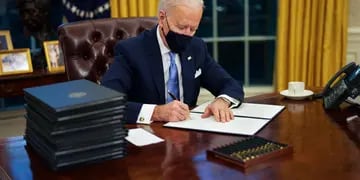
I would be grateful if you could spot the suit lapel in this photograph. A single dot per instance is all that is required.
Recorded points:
(155, 63)
(187, 70)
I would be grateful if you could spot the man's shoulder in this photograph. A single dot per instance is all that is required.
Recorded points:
(197, 40)
(197, 45)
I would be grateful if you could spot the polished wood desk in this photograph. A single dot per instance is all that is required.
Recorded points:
(13, 85)
(325, 147)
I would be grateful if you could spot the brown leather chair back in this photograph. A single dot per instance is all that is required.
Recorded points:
(88, 46)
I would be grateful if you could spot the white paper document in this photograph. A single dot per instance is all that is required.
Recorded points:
(249, 119)
(240, 125)
(140, 137)
(253, 110)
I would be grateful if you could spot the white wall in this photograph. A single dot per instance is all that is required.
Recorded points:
(353, 49)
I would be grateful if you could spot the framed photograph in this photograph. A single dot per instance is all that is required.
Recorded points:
(15, 61)
(54, 58)
(5, 40)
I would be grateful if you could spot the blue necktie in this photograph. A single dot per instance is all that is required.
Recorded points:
(173, 82)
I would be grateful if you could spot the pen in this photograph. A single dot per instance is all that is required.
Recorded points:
(172, 95)
(174, 98)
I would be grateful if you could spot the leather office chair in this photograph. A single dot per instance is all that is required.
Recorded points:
(88, 46)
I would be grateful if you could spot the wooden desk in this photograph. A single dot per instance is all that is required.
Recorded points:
(325, 147)
(13, 85)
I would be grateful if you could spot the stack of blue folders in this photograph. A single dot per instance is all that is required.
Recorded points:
(74, 123)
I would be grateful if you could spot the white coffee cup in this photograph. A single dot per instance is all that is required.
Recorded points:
(296, 88)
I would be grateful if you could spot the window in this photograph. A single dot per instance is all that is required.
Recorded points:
(241, 37)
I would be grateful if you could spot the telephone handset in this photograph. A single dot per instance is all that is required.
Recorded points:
(345, 83)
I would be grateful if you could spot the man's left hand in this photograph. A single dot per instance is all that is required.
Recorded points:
(220, 109)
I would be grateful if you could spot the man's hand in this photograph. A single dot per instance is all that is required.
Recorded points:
(173, 111)
(220, 109)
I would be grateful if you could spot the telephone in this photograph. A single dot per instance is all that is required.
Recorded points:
(343, 85)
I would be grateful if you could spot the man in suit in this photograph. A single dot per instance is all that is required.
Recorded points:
(162, 69)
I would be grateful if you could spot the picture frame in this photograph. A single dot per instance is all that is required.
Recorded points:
(54, 59)
(5, 40)
(16, 61)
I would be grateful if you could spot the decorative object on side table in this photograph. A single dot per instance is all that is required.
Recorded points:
(55, 62)
(16, 61)
(35, 15)
(5, 40)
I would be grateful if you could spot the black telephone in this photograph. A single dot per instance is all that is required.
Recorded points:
(347, 85)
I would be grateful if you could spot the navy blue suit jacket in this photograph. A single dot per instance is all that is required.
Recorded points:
(138, 71)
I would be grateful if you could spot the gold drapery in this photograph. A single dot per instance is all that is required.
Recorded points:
(133, 8)
(311, 41)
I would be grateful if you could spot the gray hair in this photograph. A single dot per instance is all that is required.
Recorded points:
(166, 4)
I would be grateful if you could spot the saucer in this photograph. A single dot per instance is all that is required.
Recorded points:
(304, 95)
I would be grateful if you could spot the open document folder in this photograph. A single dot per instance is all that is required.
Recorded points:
(249, 119)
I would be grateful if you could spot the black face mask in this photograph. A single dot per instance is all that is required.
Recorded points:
(177, 42)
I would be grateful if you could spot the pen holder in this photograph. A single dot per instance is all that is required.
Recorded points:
(250, 151)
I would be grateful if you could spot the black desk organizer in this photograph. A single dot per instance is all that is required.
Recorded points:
(250, 151)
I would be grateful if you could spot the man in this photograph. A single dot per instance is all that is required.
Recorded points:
(161, 70)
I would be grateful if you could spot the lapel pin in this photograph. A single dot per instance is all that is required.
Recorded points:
(189, 58)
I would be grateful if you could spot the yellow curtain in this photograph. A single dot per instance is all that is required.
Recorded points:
(311, 41)
(133, 8)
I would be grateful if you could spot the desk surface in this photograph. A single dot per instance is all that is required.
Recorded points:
(325, 147)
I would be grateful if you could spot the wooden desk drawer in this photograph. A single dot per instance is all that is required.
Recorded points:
(14, 85)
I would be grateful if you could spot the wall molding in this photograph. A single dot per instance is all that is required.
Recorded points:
(353, 45)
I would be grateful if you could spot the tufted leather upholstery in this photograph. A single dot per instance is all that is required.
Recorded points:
(88, 46)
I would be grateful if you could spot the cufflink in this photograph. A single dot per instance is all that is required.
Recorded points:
(141, 119)
(189, 58)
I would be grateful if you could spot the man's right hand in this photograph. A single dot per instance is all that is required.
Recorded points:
(173, 111)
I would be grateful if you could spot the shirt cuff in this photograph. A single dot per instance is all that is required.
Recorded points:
(145, 114)
(234, 102)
